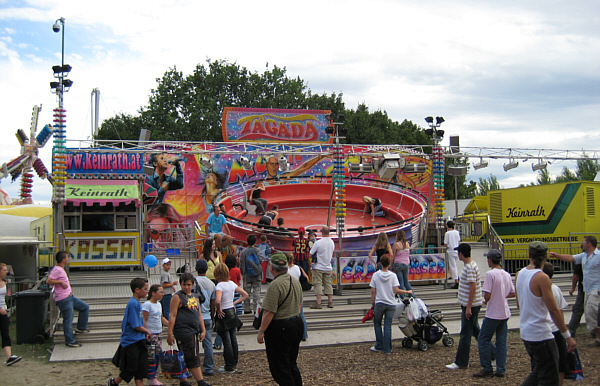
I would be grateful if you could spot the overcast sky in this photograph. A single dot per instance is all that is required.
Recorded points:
(517, 74)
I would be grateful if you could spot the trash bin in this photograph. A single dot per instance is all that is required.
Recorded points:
(32, 315)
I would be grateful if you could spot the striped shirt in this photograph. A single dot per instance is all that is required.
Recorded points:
(469, 274)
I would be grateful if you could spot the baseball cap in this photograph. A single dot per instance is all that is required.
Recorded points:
(538, 248)
(494, 255)
(278, 259)
(166, 260)
(201, 266)
(465, 249)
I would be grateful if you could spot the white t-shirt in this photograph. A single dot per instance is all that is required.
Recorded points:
(384, 283)
(324, 249)
(452, 240)
(560, 302)
(294, 271)
(154, 321)
(227, 289)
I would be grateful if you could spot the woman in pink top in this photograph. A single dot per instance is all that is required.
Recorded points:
(401, 252)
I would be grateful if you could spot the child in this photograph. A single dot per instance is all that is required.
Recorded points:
(168, 286)
(266, 252)
(187, 327)
(235, 275)
(133, 355)
(227, 320)
(562, 304)
(6, 343)
(153, 321)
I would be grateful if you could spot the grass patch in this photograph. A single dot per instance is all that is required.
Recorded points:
(38, 352)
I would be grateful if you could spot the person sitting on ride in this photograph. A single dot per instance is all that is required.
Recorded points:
(261, 203)
(270, 216)
(373, 207)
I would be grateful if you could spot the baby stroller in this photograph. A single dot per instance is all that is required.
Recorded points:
(419, 324)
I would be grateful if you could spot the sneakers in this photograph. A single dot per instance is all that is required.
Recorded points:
(154, 382)
(247, 312)
(454, 366)
(202, 382)
(12, 360)
(111, 382)
(499, 375)
(483, 374)
(223, 371)
(375, 349)
(74, 344)
(330, 305)
(316, 307)
(216, 347)
(83, 331)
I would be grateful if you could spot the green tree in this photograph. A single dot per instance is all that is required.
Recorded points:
(190, 108)
(544, 177)
(587, 169)
(486, 185)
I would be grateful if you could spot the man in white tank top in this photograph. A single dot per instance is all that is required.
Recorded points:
(535, 301)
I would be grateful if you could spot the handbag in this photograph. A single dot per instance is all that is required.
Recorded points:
(574, 363)
(259, 311)
(173, 365)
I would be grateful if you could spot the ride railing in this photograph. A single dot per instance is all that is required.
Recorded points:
(177, 242)
(238, 194)
(517, 257)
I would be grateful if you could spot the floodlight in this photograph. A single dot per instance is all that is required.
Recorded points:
(283, 164)
(246, 163)
(482, 164)
(541, 165)
(439, 120)
(429, 119)
(511, 165)
(206, 162)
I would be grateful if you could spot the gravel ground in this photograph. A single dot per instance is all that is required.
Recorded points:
(332, 365)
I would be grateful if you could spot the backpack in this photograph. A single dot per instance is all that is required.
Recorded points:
(252, 262)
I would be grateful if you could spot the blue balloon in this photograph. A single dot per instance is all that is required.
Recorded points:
(151, 261)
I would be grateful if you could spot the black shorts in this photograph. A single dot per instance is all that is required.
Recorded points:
(563, 366)
(133, 362)
(191, 351)
(265, 220)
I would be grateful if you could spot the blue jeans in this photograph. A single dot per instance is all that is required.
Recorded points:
(208, 366)
(485, 345)
(468, 328)
(230, 348)
(383, 341)
(67, 307)
(305, 331)
(166, 305)
(402, 273)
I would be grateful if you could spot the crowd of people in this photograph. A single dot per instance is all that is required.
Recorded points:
(204, 312)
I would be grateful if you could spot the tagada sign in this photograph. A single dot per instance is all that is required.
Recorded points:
(275, 125)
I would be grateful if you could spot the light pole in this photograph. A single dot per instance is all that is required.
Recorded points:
(59, 163)
(437, 171)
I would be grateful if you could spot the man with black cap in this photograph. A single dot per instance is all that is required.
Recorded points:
(538, 311)
(470, 299)
(208, 311)
(497, 288)
(281, 328)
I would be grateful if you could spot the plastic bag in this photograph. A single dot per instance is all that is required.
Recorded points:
(575, 368)
(173, 365)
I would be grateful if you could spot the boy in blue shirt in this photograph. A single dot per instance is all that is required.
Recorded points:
(133, 356)
(215, 224)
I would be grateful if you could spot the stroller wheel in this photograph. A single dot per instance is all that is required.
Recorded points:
(423, 346)
(448, 341)
(407, 343)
